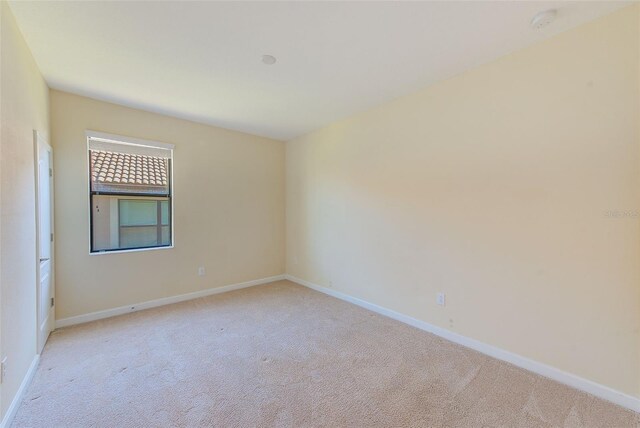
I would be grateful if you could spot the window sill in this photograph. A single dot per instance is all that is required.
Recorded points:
(133, 250)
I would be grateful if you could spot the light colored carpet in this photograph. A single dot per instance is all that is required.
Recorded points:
(282, 355)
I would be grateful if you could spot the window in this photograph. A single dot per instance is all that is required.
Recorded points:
(144, 223)
(130, 192)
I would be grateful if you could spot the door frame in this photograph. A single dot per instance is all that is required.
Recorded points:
(38, 139)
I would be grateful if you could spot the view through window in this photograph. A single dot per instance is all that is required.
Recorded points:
(130, 194)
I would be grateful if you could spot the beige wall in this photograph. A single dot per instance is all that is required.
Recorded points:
(24, 107)
(492, 187)
(105, 222)
(228, 207)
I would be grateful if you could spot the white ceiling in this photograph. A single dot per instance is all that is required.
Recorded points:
(202, 60)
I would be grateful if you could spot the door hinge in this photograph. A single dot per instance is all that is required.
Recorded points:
(52, 302)
(50, 172)
(52, 237)
(3, 370)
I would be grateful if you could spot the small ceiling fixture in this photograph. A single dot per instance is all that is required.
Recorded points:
(544, 18)
(268, 59)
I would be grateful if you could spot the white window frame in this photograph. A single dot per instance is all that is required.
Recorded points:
(120, 139)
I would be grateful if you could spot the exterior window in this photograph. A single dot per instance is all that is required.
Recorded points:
(130, 193)
(144, 223)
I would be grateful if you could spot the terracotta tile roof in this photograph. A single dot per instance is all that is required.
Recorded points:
(111, 168)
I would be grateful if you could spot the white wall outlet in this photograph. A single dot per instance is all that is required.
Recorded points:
(440, 299)
(3, 370)
(201, 271)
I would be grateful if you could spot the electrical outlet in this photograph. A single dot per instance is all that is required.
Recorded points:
(3, 370)
(201, 271)
(440, 299)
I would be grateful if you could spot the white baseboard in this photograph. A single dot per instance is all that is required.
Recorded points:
(108, 313)
(593, 388)
(17, 400)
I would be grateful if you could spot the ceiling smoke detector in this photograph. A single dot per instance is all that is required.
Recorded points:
(268, 59)
(542, 19)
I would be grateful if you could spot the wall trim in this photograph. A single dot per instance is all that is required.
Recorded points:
(574, 381)
(17, 399)
(108, 313)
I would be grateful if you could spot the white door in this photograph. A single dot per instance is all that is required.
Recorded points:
(44, 158)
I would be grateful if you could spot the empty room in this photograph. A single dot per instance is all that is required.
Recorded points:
(319, 214)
